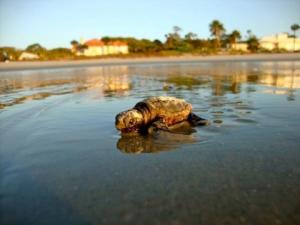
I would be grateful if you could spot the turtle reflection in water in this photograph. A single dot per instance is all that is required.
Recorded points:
(156, 142)
(152, 116)
(157, 113)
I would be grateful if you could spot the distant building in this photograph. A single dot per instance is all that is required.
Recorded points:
(240, 46)
(28, 56)
(96, 47)
(280, 41)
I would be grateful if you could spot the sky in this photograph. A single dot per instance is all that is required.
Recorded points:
(54, 23)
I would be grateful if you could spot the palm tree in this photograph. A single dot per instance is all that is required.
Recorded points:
(190, 36)
(75, 45)
(173, 39)
(217, 29)
(177, 29)
(253, 43)
(294, 28)
(234, 37)
(249, 33)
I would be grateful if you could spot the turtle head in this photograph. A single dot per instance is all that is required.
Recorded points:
(129, 121)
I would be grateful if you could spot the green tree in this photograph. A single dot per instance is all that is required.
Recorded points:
(38, 49)
(173, 39)
(233, 37)
(190, 36)
(142, 45)
(74, 43)
(217, 29)
(177, 30)
(294, 28)
(106, 39)
(35, 48)
(249, 33)
(199, 44)
(9, 53)
(159, 46)
(59, 53)
(81, 47)
(253, 43)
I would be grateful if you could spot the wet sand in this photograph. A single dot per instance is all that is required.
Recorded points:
(150, 60)
(63, 162)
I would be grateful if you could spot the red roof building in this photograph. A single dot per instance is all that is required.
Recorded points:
(94, 42)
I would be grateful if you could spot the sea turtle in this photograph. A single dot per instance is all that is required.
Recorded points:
(157, 113)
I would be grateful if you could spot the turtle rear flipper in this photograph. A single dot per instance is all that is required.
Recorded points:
(183, 127)
(197, 120)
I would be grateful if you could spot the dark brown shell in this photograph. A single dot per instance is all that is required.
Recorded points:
(171, 110)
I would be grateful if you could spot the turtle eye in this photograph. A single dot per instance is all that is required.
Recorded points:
(131, 122)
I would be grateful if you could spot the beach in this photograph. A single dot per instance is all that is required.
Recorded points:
(28, 65)
(62, 161)
(149, 112)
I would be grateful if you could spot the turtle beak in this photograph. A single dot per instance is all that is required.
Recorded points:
(117, 122)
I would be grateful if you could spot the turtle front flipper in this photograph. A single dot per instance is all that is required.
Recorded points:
(197, 120)
(158, 125)
(183, 127)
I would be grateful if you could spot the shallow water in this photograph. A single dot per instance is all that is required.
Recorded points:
(63, 162)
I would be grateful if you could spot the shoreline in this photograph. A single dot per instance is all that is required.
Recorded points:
(31, 65)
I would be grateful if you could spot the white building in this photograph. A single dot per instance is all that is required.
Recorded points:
(240, 46)
(96, 47)
(280, 41)
(28, 56)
